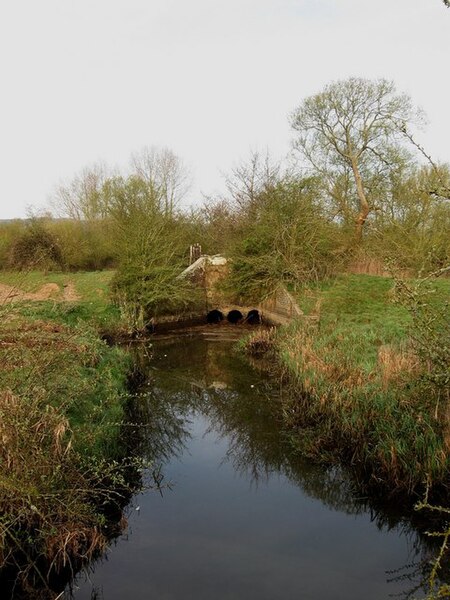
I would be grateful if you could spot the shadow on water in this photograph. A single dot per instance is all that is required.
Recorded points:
(244, 516)
(239, 514)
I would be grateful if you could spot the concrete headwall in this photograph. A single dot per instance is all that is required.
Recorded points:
(279, 308)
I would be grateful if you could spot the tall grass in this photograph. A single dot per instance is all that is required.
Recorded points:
(362, 395)
(78, 374)
(52, 498)
(62, 403)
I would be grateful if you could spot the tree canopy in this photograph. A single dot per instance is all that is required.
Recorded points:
(351, 134)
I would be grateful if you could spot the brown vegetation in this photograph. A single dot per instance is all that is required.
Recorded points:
(60, 414)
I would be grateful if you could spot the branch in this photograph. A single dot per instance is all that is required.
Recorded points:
(445, 191)
(440, 271)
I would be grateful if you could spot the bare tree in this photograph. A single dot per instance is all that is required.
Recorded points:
(250, 178)
(82, 198)
(354, 127)
(164, 173)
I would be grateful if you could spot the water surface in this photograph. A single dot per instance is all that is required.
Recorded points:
(240, 517)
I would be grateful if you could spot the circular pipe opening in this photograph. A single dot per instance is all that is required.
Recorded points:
(214, 316)
(234, 316)
(253, 317)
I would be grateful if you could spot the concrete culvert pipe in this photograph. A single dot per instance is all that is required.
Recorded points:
(234, 316)
(214, 316)
(253, 317)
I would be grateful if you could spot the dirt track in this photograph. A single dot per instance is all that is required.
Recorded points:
(49, 291)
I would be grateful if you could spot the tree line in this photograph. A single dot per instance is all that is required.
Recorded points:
(358, 189)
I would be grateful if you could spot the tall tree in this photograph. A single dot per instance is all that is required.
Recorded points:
(351, 133)
(82, 198)
(164, 173)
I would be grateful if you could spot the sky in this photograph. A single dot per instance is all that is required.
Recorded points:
(84, 81)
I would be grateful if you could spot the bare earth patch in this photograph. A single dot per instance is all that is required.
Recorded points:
(49, 291)
(70, 293)
(8, 293)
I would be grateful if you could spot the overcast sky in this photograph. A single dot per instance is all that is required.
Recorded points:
(90, 80)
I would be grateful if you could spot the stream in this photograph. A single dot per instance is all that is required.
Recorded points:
(238, 516)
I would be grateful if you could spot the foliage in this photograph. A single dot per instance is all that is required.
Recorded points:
(152, 251)
(85, 245)
(284, 239)
(80, 245)
(158, 172)
(35, 246)
(145, 291)
(407, 221)
(61, 408)
(82, 197)
(350, 134)
(9, 232)
(164, 173)
(437, 591)
(411, 229)
(431, 336)
(430, 329)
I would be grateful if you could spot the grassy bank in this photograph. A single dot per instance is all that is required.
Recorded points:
(63, 297)
(62, 402)
(361, 392)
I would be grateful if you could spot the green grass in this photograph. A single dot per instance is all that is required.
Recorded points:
(80, 375)
(360, 313)
(361, 297)
(74, 372)
(87, 284)
(362, 393)
(94, 304)
(62, 402)
(84, 385)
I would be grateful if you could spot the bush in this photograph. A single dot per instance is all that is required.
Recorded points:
(85, 245)
(153, 252)
(37, 246)
(429, 307)
(285, 239)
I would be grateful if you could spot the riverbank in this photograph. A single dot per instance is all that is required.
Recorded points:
(62, 403)
(360, 393)
(241, 509)
(358, 398)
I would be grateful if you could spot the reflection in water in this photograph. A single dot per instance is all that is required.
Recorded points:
(213, 422)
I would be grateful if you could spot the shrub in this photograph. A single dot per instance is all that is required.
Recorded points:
(37, 246)
(286, 238)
